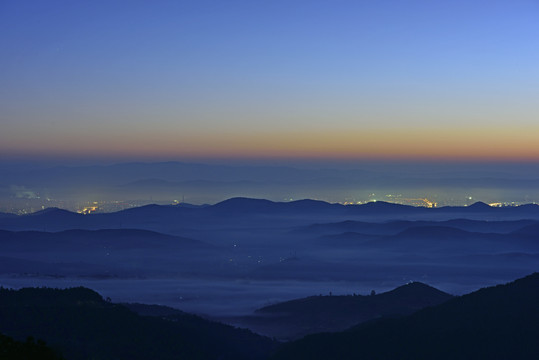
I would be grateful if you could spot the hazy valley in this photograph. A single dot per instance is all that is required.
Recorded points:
(242, 254)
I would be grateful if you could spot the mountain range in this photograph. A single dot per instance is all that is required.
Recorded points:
(228, 244)
(282, 269)
(239, 209)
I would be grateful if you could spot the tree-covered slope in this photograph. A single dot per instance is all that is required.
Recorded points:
(500, 322)
(82, 325)
(11, 349)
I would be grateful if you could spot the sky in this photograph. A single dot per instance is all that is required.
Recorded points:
(270, 79)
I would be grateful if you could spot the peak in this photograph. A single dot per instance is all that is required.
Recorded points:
(308, 202)
(416, 288)
(385, 205)
(242, 201)
(479, 205)
(379, 203)
(262, 204)
(415, 285)
(242, 204)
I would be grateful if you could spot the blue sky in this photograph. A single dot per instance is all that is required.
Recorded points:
(181, 79)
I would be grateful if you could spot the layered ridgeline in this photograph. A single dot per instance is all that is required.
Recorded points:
(297, 318)
(235, 211)
(101, 254)
(80, 324)
(242, 254)
(500, 322)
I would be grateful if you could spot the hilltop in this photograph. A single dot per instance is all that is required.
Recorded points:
(297, 318)
(499, 322)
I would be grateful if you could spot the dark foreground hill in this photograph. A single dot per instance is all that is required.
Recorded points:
(500, 322)
(297, 318)
(81, 325)
(11, 349)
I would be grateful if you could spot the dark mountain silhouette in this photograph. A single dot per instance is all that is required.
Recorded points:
(165, 218)
(447, 239)
(434, 239)
(499, 322)
(54, 212)
(82, 325)
(486, 226)
(109, 253)
(371, 208)
(240, 204)
(379, 206)
(308, 205)
(49, 219)
(480, 206)
(254, 206)
(393, 227)
(11, 349)
(367, 228)
(192, 206)
(297, 318)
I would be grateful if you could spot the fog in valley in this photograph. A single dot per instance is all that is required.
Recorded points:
(234, 257)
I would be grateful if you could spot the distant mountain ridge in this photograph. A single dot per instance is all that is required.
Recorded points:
(102, 254)
(396, 226)
(153, 217)
(246, 204)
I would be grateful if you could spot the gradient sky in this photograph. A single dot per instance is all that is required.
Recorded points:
(253, 78)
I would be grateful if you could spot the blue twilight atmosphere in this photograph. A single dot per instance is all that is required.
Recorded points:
(287, 167)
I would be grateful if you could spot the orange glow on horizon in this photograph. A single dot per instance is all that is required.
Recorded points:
(398, 144)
